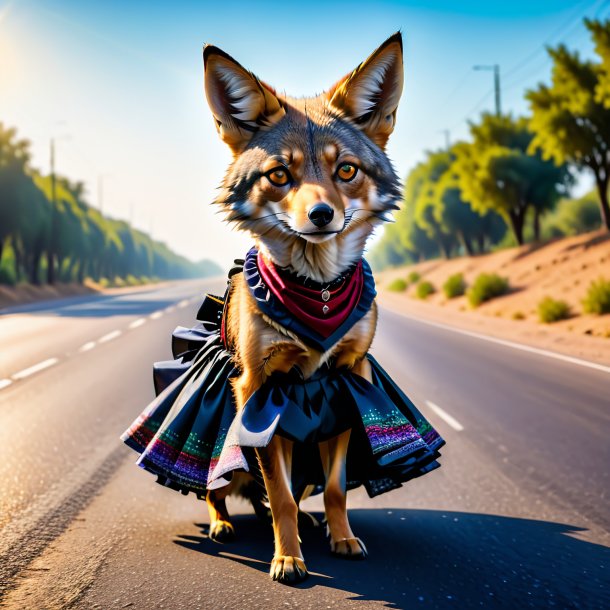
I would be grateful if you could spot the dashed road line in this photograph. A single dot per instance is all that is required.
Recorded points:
(184, 303)
(137, 323)
(110, 336)
(156, 315)
(449, 419)
(87, 346)
(4, 383)
(45, 364)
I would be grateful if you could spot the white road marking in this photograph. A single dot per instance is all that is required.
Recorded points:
(137, 323)
(156, 315)
(87, 346)
(184, 303)
(513, 344)
(110, 336)
(449, 419)
(170, 309)
(4, 383)
(45, 364)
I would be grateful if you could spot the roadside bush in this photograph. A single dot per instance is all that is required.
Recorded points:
(598, 297)
(413, 277)
(551, 310)
(487, 286)
(398, 285)
(424, 290)
(454, 286)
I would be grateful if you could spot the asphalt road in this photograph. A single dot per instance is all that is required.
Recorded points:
(518, 515)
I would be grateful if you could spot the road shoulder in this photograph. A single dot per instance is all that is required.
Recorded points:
(594, 349)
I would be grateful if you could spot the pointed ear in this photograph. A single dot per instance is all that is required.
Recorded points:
(240, 102)
(369, 95)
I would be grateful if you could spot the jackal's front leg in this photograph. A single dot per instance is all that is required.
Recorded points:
(276, 462)
(333, 453)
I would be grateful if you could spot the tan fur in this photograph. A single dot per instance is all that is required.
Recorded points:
(277, 215)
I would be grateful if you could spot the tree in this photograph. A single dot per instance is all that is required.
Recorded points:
(571, 119)
(600, 32)
(497, 172)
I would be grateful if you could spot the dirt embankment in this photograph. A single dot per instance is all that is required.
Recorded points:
(562, 269)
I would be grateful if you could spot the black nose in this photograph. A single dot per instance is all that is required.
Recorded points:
(321, 214)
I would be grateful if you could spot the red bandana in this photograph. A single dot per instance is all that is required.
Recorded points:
(322, 310)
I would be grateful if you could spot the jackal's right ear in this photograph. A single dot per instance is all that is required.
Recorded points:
(240, 102)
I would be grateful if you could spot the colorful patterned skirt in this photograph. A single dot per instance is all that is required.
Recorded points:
(193, 439)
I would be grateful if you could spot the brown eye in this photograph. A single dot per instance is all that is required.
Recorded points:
(347, 172)
(279, 176)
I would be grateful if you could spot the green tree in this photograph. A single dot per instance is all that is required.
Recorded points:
(571, 119)
(497, 172)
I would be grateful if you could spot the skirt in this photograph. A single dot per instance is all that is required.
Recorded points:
(193, 439)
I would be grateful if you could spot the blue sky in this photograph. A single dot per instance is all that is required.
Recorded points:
(123, 80)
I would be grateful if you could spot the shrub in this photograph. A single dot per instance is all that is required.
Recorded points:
(598, 297)
(413, 277)
(518, 315)
(550, 310)
(424, 290)
(398, 285)
(486, 287)
(454, 286)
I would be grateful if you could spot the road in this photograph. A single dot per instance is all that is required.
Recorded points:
(517, 517)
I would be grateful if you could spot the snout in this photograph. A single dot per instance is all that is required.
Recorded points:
(321, 215)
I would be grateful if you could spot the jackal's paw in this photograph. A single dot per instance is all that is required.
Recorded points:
(288, 570)
(221, 531)
(307, 521)
(348, 548)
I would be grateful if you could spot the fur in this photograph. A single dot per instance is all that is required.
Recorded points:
(290, 155)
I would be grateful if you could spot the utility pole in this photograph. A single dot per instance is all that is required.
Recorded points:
(100, 192)
(54, 222)
(496, 70)
(447, 137)
(54, 237)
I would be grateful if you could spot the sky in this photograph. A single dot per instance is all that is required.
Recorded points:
(119, 86)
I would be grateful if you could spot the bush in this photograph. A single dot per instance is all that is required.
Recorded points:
(486, 287)
(424, 290)
(413, 277)
(398, 285)
(550, 310)
(598, 297)
(454, 286)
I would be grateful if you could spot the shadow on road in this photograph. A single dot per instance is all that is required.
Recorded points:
(426, 558)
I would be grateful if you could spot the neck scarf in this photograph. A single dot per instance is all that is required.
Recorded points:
(319, 314)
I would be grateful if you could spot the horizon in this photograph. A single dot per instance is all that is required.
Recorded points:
(121, 88)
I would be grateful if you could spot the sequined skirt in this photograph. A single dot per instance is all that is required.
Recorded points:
(193, 439)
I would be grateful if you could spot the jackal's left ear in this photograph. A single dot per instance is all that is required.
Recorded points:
(369, 95)
(240, 102)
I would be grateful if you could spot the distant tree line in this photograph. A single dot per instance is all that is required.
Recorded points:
(49, 233)
(512, 171)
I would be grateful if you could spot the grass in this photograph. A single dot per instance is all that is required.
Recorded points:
(486, 286)
(551, 310)
(454, 286)
(424, 290)
(413, 277)
(597, 300)
(398, 285)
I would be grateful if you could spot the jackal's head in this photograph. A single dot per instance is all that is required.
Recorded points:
(309, 179)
